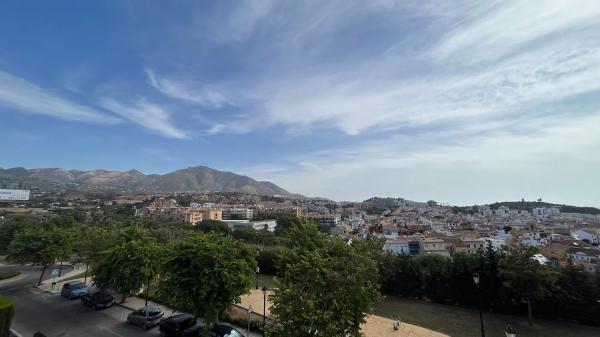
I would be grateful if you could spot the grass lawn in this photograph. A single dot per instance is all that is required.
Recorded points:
(460, 322)
(6, 274)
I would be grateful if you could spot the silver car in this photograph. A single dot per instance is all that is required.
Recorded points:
(74, 289)
(146, 317)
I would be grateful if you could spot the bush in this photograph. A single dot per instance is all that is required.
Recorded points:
(7, 312)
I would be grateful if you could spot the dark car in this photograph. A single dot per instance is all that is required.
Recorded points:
(97, 299)
(73, 289)
(181, 325)
(222, 330)
(146, 317)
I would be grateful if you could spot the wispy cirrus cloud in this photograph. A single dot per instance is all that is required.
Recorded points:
(534, 53)
(189, 91)
(150, 116)
(22, 95)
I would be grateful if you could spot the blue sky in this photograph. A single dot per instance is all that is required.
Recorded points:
(469, 102)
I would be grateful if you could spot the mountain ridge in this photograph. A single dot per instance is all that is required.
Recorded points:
(190, 179)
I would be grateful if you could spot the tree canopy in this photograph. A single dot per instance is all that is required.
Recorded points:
(127, 267)
(39, 245)
(204, 274)
(326, 286)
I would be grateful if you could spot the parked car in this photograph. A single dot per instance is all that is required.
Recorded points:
(97, 299)
(73, 289)
(181, 325)
(146, 317)
(222, 330)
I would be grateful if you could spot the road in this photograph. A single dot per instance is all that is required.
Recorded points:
(56, 316)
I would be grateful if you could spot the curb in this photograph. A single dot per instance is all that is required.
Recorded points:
(124, 306)
(13, 333)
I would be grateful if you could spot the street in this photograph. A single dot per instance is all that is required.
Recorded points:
(55, 316)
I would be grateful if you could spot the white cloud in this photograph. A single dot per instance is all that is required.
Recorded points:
(498, 166)
(19, 94)
(150, 116)
(494, 31)
(535, 54)
(193, 92)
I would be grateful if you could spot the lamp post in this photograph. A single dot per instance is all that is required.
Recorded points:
(476, 281)
(257, 272)
(509, 331)
(264, 291)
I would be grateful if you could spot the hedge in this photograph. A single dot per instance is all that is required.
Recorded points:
(7, 312)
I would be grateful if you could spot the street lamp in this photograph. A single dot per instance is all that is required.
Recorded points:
(476, 281)
(509, 331)
(257, 272)
(264, 291)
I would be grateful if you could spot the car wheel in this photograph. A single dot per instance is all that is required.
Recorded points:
(145, 326)
(95, 307)
(163, 334)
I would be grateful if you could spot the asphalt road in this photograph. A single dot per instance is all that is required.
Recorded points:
(56, 316)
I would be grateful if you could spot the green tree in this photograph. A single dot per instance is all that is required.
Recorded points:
(527, 278)
(436, 276)
(38, 246)
(285, 222)
(214, 226)
(204, 274)
(10, 228)
(128, 267)
(92, 243)
(326, 287)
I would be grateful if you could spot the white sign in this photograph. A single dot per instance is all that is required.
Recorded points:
(54, 272)
(14, 195)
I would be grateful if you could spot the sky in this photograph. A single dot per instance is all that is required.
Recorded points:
(462, 102)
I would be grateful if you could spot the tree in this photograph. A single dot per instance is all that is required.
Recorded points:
(10, 228)
(92, 243)
(204, 274)
(127, 267)
(436, 276)
(216, 226)
(326, 287)
(39, 246)
(525, 277)
(285, 222)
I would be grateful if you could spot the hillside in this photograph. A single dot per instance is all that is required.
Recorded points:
(529, 205)
(192, 179)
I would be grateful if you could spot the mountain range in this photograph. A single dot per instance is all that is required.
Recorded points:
(191, 179)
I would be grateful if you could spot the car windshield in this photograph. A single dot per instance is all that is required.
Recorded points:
(187, 323)
(77, 286)
(154, 312)
(233, 333)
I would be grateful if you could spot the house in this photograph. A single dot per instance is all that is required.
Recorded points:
(403, 246)
(587, 257)
(590, 235)
(470, 245)
(436, 246)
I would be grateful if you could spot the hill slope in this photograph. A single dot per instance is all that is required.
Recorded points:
(192, 179)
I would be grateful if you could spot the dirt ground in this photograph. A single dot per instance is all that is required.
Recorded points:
(376, 326)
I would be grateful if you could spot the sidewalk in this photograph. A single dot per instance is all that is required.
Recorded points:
(47, 284)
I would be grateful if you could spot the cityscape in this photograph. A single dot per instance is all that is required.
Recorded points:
(275, 168)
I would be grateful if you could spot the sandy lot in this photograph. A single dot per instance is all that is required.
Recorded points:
(376, 326)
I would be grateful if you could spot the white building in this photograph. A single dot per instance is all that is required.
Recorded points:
(269, 225)
(592, 236)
